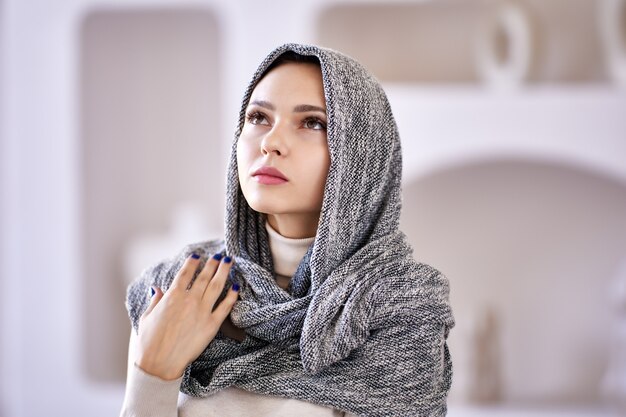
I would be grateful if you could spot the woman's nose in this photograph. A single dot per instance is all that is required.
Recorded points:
(274, 142)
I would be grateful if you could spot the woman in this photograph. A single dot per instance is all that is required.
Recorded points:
(334, 315)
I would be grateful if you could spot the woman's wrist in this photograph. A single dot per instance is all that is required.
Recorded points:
(160, 372)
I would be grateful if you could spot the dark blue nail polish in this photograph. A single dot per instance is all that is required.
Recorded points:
(152, 292)
(227, 259)
(195, 256)
(235, 287)
(217, 256)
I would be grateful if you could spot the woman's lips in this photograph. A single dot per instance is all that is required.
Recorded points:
(269, 176)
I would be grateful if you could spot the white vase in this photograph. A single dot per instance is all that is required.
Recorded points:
(614, 382)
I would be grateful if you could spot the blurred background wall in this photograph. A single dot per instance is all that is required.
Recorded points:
(115, 125)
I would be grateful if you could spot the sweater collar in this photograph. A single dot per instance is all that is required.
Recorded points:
(286, 252)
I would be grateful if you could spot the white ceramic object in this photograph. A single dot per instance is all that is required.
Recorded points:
(485, 382)
(188, 225)
(508, 30)
(613, 30)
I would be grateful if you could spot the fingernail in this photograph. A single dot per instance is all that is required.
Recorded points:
(152, 292)
(217, 256)
(227, 259)
(195, 256)
(235, 287)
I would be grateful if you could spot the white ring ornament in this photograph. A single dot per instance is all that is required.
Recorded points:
(513, 22)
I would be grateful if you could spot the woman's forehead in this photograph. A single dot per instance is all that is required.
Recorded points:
(291, 83)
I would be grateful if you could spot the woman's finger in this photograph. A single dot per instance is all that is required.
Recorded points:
(186, 273)
(205, 276)
(215, 287)
(223, 309)
(157, 294)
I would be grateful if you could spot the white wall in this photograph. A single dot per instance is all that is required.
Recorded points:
(61, 349)
(3, 192)
(151, 139)
(537, 244)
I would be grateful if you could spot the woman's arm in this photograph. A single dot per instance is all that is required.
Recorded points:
(421, 365)
(147, 395)
(403, 369)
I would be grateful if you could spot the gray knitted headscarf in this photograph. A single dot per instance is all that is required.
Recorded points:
(363, 326)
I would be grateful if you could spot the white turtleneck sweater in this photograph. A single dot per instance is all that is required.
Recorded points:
(287, 254)
(150, 396)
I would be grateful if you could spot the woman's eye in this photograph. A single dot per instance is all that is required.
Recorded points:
(315, 124)
(257, 119)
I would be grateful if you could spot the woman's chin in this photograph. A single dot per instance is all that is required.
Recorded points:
(265, 208)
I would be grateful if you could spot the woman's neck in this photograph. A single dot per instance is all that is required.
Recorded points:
(294, 226)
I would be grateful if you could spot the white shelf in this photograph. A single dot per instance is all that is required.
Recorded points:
(583, 126)
(509, 411)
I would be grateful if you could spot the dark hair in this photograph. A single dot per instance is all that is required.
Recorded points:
(291, 56)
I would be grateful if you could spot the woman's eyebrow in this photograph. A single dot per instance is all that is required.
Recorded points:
(263, 103)
(300, 108)
(308, 107)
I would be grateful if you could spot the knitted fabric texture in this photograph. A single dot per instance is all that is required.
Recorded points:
(363, 326)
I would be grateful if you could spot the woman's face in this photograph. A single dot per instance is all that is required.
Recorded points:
(285, 135)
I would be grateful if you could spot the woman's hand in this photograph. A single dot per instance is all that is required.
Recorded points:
(178, 325)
